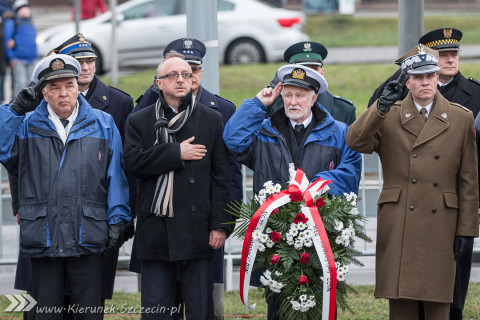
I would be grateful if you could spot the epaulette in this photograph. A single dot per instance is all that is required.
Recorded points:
(222, 98)
(474, 81)
(343, 99)
(459, 105)
(119, 90)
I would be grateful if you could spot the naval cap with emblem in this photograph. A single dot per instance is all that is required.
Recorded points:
(419, 60)
(444, 39)
(76, 47)
(302, 76)
(56, 66)
(306, 52)
(192, 49)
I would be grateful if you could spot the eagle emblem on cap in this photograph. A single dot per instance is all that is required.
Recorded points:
(307, 46)
(447, 33)
(57, 64)
(81, 38)
(421, 49)
(298, 74)
(187, 43)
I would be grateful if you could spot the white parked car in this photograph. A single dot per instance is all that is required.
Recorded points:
(248, 32)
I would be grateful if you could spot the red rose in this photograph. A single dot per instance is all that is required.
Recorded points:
(304, 257)
(275, 211)
(275, 258)
(275, 236)
(320, 202)
(302, 280)
(300, 217)
(296, 196)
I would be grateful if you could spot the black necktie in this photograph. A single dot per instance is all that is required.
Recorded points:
(299, 127)
(64, 122)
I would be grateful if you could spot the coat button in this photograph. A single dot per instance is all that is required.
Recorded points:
(434, 211)
(435, 184)
(414, 155)
(191, 180)
(193, 208)
(437, 156)
(414, 181)
(412, 208)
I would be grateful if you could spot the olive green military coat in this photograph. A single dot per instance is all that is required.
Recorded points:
(429, 196)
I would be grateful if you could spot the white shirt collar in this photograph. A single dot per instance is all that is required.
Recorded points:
(440, 84)
(428, 107)
(305, 123)
(62, 131)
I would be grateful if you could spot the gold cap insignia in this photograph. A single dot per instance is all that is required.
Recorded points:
(307, 46)
(447, 33)
(57, 64)
(421, 49)
(298, 74)
(81, 38)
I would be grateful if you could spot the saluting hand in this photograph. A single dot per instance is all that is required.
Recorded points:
(189, 151)
(268, 95)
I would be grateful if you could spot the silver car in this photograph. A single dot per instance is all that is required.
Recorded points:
(248, 31)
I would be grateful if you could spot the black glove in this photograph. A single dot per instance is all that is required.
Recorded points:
(29, 98)
(129, 231)
(116, 236)
(392, 93)
(462, 245)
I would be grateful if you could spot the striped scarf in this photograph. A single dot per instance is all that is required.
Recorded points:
(165, 130)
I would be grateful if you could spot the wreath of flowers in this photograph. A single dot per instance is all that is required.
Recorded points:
(292, 267)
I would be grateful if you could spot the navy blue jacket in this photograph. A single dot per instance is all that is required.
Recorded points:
(219, 104)
(68, 194)
(261, 144)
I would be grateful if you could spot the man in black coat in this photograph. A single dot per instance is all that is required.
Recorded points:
(466, 92)
(194, 51)
(175, 148)
(312, 55)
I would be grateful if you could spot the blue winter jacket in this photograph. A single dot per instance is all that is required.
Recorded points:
(67, 193)
(259, 144)
(24, 33)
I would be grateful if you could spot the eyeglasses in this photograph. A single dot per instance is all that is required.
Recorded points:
(196, 69)
(87, 61)
(174, 76)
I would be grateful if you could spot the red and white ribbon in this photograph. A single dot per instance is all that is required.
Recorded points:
(320, 239)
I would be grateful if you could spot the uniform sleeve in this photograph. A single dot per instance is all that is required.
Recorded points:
(117, 199)
(10, 123)
(364, 134)
(467, 224)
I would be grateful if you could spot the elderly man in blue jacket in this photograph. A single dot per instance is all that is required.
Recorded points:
(303, 133)
(73, 194)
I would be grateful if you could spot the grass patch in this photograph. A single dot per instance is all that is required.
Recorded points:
(354, 82)
(363, 304)
(347, 31)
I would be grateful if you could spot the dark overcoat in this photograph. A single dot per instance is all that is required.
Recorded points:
(429, 196)
(201, 188)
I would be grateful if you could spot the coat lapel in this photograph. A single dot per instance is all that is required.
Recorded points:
(410, 117)
(437, 122)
